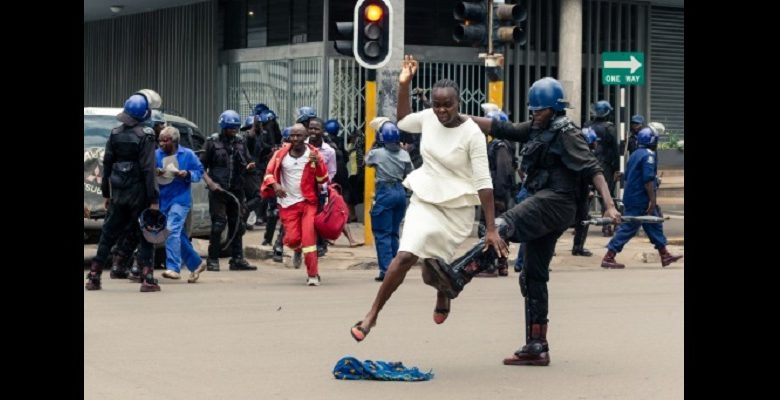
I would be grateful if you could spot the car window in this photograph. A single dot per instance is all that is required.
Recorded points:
(97, 129)
(185, 133)
(198, 140)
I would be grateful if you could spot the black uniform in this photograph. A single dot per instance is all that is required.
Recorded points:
(225, 160)
(607, 151)
(556, 161)
(129, 182)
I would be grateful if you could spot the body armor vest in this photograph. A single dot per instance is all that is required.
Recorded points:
(127, 183)
(542, 159)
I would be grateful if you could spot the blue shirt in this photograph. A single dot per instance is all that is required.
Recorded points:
(641, 168)
(178, 191)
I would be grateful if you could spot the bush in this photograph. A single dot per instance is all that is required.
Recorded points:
(674, 141)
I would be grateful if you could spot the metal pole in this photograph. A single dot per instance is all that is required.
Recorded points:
(368, 192)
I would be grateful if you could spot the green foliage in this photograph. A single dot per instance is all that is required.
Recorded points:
(674, 141)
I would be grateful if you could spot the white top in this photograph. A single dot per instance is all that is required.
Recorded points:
(455, 163)
(292, 172)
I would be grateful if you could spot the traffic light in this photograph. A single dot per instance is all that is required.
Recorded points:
(373, 33)
(345, 32)
(474, 17)
(505, 16)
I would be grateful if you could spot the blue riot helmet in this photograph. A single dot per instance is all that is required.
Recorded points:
(286, 133)
(390, 136)
(601, 109)
(306, 112)
(332, 126)
(248, 122)
(229, 119)
(153, 226)
(266, 116)
(499, 115)
(137, 107)
(638, 119)
(590, 135)
(546, 93)
(646, 137)
(260, 107)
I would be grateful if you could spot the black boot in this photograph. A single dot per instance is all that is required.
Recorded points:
(452, 278)
(212, 264)
(240, 264)
(135, 274)
(149, 284)
(581, 251)
(118, 269)
(93, 277)
(536, 350)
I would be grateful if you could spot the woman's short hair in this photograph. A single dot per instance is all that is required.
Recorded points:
(448, 83)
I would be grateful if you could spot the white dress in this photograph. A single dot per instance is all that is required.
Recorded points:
(455, 166)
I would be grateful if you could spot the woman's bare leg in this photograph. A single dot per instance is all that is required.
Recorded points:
(396, 272)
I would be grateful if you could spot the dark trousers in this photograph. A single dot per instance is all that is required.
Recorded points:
(225, 212)
(539, 221)
(580, 230)
(271, 211)
(122, 220)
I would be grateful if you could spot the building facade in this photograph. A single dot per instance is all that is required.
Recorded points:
(219, 54)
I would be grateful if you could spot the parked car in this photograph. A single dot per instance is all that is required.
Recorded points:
(98, 123)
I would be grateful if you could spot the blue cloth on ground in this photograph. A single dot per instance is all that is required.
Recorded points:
(350, 368)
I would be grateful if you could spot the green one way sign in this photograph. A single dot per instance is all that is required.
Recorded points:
(622, 68)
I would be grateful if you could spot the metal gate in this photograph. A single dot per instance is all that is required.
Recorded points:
(347, 88)
(283, 85)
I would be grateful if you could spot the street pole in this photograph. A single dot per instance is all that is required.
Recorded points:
(368, 192)
(493, 65)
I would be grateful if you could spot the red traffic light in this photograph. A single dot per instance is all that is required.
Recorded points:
(374, 13)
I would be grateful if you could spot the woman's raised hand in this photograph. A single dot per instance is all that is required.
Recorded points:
(408, 69)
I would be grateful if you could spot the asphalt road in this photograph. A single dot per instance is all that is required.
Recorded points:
(265, 335)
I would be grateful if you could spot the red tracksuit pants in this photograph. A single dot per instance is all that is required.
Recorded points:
(299, 233)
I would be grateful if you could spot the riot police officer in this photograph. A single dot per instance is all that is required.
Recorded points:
(129, 185)
(640, 199)
(606, 149)
(226, 162)
(583, 205)
(555, 158)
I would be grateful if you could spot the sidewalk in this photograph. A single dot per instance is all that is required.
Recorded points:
(638, 253)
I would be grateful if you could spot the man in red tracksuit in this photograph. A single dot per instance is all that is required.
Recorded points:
(293, 175)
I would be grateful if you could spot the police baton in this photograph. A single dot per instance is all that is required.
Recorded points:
(642, 219)
(238, 218)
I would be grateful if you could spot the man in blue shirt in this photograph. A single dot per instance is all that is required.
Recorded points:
(639, 199)
(177, 168)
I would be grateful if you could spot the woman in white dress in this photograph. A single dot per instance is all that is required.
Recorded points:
(453, 179)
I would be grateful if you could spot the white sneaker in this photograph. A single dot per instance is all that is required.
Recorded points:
(313, 281)
(251, 219)
(195, 275)
(171, 274)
